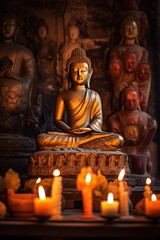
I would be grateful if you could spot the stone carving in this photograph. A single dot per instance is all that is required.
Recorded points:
(125, 64)
(45, 58)
(70, 163)
(84, 113)
(71, 42)
(137, 128)
(17, 71)
(131, 8)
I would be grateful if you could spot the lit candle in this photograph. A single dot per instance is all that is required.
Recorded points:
(123, 195)
(86, 181)
(43, 204)
(109, 208)
(147, 193)
(152, 207)
(38, 180)
(35, 186)
(56, 193)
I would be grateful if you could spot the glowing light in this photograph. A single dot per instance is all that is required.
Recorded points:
(41, 193)
(56, 173)
(110, 198)
(121, 174)
(153, 197)
(88, 178)
(148, 181)
(38, 180)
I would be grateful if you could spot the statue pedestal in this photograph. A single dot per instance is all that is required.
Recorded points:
(70, 160)
(14, 153)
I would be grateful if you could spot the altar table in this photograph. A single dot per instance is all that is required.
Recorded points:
(72, 227)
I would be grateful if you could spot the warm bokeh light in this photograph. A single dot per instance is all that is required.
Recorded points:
(153, 197)
(110, 198)
(88, 178)
(148, 181)
(121, 174)
(56, 173)
(38, 180)
(41, 193)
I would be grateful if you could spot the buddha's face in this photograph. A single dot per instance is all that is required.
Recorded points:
(115, 71)
(8, 28)
(130, 62)
(131, 100)
(144, 72)
(79, 73)
(73, 33)
(130, 30)
(42, 31)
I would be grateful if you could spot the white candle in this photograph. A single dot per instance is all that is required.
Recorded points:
(56, 193)
(123, 195)
(109, 208)
(124, 203)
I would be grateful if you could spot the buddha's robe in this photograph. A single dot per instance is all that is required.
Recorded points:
(23, 62)
(88, 113)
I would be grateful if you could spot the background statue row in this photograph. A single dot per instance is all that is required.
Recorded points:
(128, 65)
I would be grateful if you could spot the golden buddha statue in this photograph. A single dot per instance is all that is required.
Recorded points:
(84, 112)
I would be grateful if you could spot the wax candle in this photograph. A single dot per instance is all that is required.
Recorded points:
(87, 197)
(109, 208)
(123, 195)
(86, 181)
(152, 207)
(43, 204)
(36, 186)
(56, 193)
(147, 193)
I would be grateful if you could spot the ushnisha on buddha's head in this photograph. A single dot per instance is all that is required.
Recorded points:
(78, 68)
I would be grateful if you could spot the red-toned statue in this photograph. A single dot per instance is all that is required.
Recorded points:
(137, 129)
(125, 64)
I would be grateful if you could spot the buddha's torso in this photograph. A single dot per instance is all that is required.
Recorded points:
(79, 106)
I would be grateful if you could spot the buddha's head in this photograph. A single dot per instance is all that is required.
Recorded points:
(73, 32)
(130, 98)
(130, 62)
(8, 27)
(143, 71)
(129, 30)
(78, 68)
(115, 70)
(42, 29)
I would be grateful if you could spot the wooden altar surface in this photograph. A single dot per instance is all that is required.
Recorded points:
(73, 227)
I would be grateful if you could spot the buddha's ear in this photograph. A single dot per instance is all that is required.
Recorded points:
(89, 78)
(91, 72)
(68, 79)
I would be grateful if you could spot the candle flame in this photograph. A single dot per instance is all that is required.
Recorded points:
(148, 181)
(110, 198)
(88, 178)
(121, 174)
(38, 180)
(56, 173)
(41, 193)
(153, 197)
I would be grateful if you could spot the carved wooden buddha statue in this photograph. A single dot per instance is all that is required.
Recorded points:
(84, 112)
